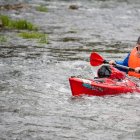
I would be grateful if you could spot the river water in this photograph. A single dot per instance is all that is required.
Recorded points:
(35, 97)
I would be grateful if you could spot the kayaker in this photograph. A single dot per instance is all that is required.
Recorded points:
(131, 60)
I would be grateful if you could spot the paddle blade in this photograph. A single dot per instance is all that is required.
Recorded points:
(96, 59)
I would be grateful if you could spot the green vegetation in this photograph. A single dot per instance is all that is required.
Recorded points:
(2, 39)
(16, 24)
(42, 8)
(21, 24)
(43, 38)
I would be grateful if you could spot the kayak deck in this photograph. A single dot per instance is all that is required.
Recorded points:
(101, 86)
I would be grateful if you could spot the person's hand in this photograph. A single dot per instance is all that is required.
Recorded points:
(137, 69)
(112, 62)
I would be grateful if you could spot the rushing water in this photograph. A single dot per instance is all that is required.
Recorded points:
(35, 97)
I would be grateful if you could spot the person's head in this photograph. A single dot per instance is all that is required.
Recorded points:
(138, 41)
(138, 47)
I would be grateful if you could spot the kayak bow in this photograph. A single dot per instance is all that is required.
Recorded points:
(101, 86)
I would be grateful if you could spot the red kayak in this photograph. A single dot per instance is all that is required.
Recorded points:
(110, 80)
(101, 86)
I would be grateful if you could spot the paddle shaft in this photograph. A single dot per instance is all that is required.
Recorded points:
(120, 66)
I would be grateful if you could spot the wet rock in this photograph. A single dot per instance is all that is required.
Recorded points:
(14, 6)
(73, 7)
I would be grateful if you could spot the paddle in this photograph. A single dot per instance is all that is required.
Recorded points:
(96, 60)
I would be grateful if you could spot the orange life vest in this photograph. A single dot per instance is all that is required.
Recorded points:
(134, 62)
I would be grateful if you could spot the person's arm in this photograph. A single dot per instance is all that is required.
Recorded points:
(124, 63)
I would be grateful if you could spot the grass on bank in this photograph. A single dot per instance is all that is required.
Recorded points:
(42, 38)
(42, 8)
(20, 24)
(2, 39)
